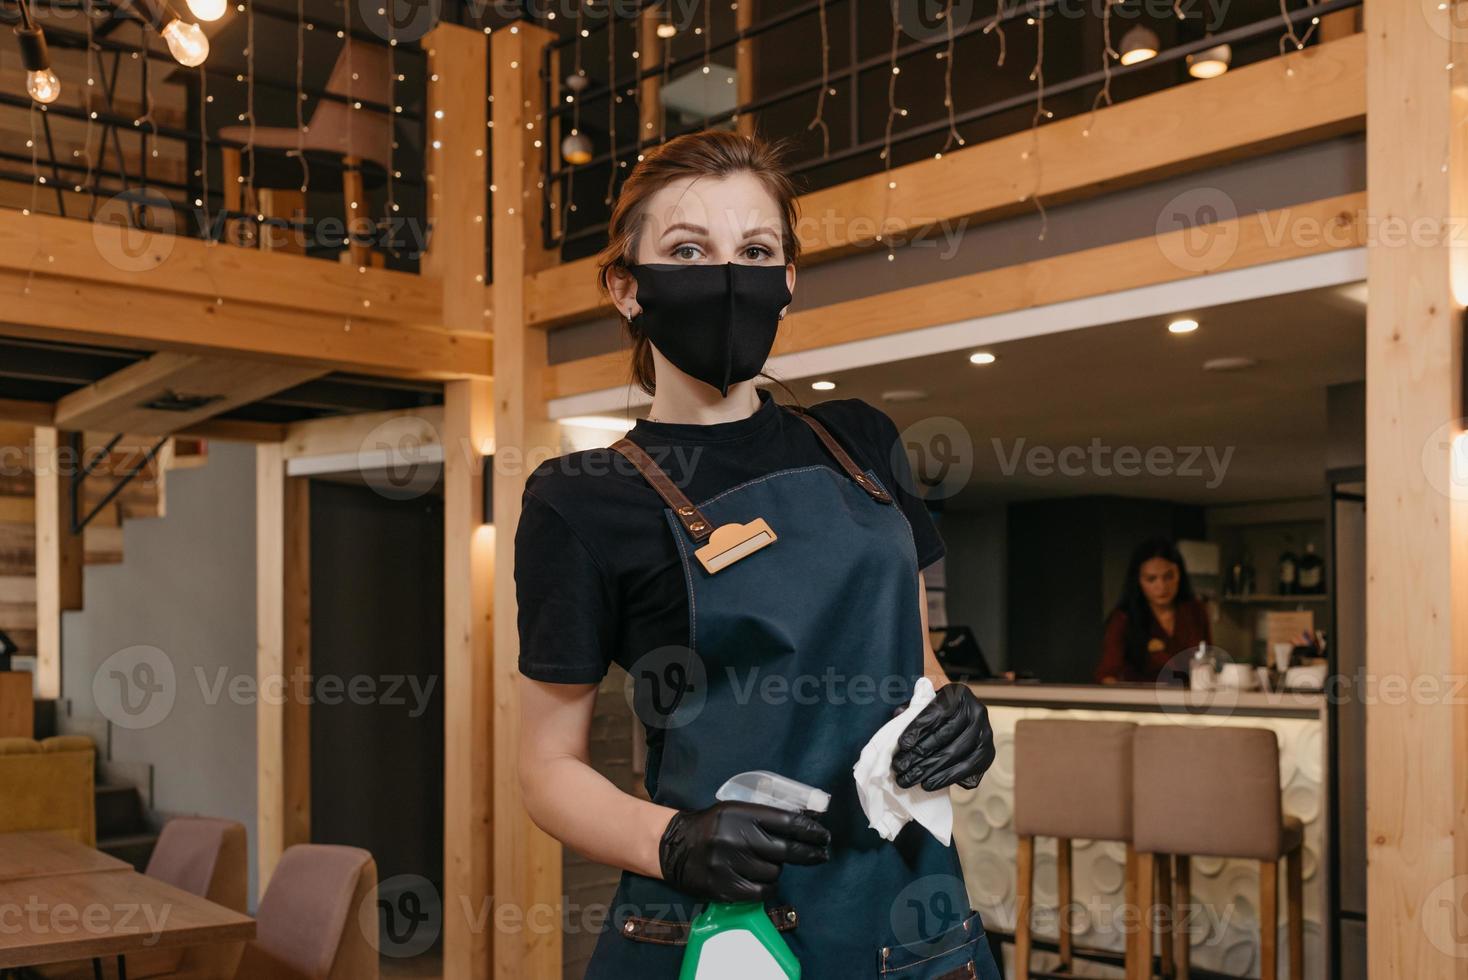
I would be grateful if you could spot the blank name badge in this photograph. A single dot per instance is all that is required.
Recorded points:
(731, 542)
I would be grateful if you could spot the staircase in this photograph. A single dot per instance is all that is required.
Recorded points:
(144, 496)
(122, 826)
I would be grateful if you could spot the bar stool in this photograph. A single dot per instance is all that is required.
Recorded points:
(1072, 779)
(1214, 791)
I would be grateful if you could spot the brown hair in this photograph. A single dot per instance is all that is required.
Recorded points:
(711, 153)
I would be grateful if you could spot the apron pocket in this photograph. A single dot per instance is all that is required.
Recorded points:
(949, 956)
(671, 932)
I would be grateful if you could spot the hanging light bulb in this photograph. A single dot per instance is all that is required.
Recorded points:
(40, 81)
(208, 9)
(1138, 45)
(186, 42)
(576, 148)
(666, 27)
(577, 81)
(1210, 63)
(43, 85)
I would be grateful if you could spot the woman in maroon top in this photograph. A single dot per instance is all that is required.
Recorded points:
(1157, 618)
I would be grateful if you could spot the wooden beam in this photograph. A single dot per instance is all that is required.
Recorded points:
(1417, 513)
(73, 310)
(457, 192)
(119, 401)
(1261, 108)
(527, 862)
(60, 554)
(1299, 230)
(235, 430)
(32, 413)
(282, 659)
(99, 252)
(347, 433)
(459, 58)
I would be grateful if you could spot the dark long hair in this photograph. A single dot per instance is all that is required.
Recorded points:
(1134, 604)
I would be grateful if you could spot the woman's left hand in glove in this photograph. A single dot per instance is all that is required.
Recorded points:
(950, 741)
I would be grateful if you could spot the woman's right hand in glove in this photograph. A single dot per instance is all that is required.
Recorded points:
(732, 852)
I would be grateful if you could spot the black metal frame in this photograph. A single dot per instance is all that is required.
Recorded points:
(118, 178)
(78, 478)
(851, 73)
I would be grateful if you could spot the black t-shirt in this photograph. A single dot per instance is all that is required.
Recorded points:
(597, 574)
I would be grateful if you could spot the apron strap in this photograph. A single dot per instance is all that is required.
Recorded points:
(847, 463)
(690, 516)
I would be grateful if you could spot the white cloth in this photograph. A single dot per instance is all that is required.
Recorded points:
(888, 806)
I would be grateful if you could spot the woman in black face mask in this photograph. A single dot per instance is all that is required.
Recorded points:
(754, 569)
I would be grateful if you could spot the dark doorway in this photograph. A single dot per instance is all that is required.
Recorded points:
(377, 717)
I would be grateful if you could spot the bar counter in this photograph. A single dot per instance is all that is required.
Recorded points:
(1225, 930)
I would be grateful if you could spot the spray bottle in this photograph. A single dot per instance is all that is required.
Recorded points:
(737, 940)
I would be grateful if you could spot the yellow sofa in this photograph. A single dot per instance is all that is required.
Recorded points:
(48, 785)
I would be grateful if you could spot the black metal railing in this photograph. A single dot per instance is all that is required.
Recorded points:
(105, 155)
(860, 150)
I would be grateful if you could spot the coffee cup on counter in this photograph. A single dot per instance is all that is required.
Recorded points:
(1238, 677)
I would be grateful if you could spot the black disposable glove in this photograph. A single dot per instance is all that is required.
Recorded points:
(732, 852)
(950, 741)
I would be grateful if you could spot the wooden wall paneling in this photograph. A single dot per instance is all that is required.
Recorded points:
(60, 554)
(1416, 514)
(527, 862)
(282, 659)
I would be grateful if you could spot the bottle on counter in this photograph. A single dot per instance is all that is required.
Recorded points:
(1288, 568)
(1248, 576)
(1310, 572)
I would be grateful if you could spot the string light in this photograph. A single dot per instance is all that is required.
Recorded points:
(248, 201)
(1037, 75)
(578, 73)
(40, 81)
(892, 113)
(996, 26)
(612, 102)
(1107, 53)
(819, 120)
(301, 96)
(953, 136)
(1289, 35)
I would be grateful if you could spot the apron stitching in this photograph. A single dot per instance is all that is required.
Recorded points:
(678, 538)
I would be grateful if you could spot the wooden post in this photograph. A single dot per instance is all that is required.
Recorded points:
(527, 862)
(458, 57)
(59, 553)
(282, 658)
(1417, 514)
(744, 65)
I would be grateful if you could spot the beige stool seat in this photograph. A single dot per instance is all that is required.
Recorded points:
(1212, 791)
(1072, 780)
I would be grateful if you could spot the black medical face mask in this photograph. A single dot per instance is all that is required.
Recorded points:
(713, 322)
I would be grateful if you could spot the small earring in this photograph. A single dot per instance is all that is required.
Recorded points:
(782, 315)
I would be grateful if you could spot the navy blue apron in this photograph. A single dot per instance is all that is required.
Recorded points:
(801, 651)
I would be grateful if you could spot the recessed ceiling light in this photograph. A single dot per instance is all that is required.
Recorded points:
(1229, 363)
(1182, 326)
(823, 385)
(982, 357)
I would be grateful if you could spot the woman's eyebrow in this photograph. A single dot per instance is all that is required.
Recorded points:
(757, 232)
(685, 226)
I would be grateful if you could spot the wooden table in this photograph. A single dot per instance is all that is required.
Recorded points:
(41, 853)
(61, 901)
